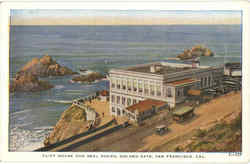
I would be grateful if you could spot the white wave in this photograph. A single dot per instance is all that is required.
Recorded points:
(61, 101)
(74, 91)
(21, 112)
(30, 147)
(24, 124)
(44, 128)
(59, 86)
(27, 140)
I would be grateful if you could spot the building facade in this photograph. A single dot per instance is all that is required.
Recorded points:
(168, 82)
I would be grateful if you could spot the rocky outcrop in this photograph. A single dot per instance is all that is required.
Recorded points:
(27, 82)
(44, 67)
(88, 78)
(27, 79)
(72, 122)
(194, 52)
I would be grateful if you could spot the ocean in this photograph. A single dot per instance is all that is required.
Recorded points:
(98, 48)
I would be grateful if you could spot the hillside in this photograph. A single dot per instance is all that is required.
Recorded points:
(222, 137)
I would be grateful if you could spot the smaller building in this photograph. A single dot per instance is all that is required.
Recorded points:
(144, 109)
(233, 69)
(182, 113)
(104, 95)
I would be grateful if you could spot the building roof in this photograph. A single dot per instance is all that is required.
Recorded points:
(183, 110)
(182, 82)
(145, 105)
(104, 93)
(194, 92)
(163, 69)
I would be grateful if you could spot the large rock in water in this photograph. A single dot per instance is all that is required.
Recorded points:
(26, 82)
(44, 67)
(195, 51)
(88, 78)
(72, 122)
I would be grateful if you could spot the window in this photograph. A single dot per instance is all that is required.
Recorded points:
(169, 92)
(205, 82)
(128, 101)
(140, 86)
(146, 88)
(118, 82)
(113, 109)
(179, 92)
(112, 98)
(118, 100)
(123, 84)
(134, 85)
(112, 83)
(152, 90)
(209, 81)
(118, 111)
(158, 90)
(202, 82)
(134, 101)
(129, 85)
(123, 100)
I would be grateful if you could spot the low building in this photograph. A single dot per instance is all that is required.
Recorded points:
(162, 81)
(143, 109)
(182, 113)
(233, 69)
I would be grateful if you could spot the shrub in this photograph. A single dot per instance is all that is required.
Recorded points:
(201, 133)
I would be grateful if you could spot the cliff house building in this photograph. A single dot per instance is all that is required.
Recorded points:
(156, 83)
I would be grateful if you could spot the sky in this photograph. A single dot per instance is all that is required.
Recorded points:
(121, 17)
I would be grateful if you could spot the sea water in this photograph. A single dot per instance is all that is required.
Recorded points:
(98, 48)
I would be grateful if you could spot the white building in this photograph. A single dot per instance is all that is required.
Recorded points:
(168, 82)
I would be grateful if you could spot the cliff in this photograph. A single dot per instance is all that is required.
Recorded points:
(195, 51)
(88, 78)
(72, 122)
(28, 83)
(44, 67)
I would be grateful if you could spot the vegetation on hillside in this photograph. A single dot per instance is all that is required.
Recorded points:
(223, 137)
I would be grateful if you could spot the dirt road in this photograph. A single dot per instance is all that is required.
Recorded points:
(143, 138)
